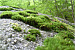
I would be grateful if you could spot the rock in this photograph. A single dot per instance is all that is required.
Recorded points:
(8, 40)
(12, 43)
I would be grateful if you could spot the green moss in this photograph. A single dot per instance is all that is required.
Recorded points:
(30, 37)
(52, 26)
(24, 30)
(33, 21)
(17, 28)
(34, 32)
(8, 14)
(31, 12)
(17, 17)
(56, 44)
(23, 13)
(65, 34)
(44, 18)
(6, 9)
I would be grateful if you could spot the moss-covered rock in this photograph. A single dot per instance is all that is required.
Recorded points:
(34, 32)
(6, 9)
(30, 37)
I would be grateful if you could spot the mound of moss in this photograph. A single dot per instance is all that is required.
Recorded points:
(34, 32)
(32, 35)
(6, 9)
(17, 28)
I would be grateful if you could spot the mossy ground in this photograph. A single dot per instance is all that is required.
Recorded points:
(59, 42)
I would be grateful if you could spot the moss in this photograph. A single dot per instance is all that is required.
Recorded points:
(31, 12)
(56, 44)
(8, 14)
(34, 32)
(44, 18)
(23, 13)
(30, 37)
(65, 34)
(17, 17)
(17, 28)
(6, 9)
(24, 30)
(52, 26)
(33, 21)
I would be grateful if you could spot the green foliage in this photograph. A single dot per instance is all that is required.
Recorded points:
(34, 32)
(30, 37)
(6, 9)
(17, 28)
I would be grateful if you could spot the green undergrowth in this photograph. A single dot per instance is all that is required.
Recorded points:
(6, 9)
(61, 41)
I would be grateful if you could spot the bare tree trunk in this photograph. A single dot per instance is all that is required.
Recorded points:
(73, 10)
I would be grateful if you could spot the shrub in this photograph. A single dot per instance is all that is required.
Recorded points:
(34, 32)
(30, 37)
(17, 28)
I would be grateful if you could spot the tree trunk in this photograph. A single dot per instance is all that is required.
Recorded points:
(73, 10)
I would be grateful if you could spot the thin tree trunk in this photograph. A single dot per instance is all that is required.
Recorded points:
(56, 7)
(73, 10)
